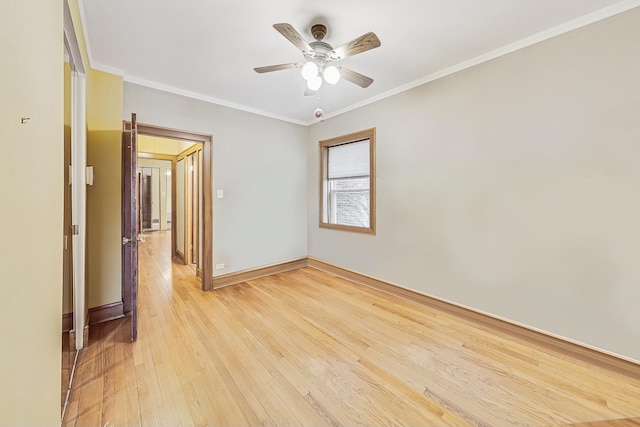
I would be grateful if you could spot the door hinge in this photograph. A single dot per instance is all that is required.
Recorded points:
(74, 230)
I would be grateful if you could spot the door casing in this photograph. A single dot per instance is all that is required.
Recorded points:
(207, 195)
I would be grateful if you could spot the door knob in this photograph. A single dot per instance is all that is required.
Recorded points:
(125, 240)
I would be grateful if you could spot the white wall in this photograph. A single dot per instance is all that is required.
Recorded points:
(31, 218)
(259, 162)
(512, 187)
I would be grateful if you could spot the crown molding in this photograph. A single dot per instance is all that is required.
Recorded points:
(574, 24)
(209, 99)
(599, 15)
(108, 69)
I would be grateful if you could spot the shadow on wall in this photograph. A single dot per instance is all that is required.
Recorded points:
(104, 153)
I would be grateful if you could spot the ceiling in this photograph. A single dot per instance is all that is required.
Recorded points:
(157, 145)
(207, 49)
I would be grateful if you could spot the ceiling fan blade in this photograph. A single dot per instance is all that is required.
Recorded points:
(293, 36)
(357, 78)
(361, 44)
(278, 67)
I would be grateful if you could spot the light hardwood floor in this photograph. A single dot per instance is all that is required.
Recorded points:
(307, 348)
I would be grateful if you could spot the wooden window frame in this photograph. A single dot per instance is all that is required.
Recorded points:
(324, 146)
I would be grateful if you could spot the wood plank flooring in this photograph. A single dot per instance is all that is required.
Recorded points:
(67, 365)
(306, 348)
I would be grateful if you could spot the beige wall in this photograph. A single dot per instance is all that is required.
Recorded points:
(31, 184)
(104, 234)
(512, 187)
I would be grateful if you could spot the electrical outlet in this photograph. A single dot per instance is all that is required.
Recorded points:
(219, 266)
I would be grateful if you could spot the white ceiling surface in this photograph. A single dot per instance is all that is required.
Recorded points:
(207, 49)
(157, 145)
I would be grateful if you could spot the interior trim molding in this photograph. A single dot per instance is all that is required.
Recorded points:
(106, 312)
(547, 34)
(156, 156)
(67, 322)
(582, 21)
(180, 256)
(194, 95)
(73, 338)
(561, 345)
(256, 273)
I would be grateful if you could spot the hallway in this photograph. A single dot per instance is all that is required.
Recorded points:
(307, 348)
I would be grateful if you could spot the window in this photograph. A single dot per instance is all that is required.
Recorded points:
(347, 182)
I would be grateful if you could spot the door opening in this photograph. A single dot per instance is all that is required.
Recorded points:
(175, 194)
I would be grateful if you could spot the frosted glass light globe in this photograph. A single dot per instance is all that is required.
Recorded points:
(309, 70)
(314, 83)
(331, 75)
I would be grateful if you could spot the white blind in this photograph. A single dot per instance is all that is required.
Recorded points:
(349, 160)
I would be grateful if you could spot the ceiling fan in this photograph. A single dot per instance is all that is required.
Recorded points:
(320, 55)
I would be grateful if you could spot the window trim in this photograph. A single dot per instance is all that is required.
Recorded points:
(324, 146)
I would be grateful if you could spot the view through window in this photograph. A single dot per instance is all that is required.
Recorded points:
(348, 181)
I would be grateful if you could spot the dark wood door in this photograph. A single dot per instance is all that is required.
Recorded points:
(130, 224)
(146, 210)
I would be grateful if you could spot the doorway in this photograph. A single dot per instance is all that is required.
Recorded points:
(165, 194)
(183, 204)
(74, 170)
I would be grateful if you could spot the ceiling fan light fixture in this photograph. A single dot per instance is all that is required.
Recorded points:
(314, 83)
(310, 70)
(320, 54)
(331, 75)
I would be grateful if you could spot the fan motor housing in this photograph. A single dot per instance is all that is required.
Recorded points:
(321, 51)
(318, 31)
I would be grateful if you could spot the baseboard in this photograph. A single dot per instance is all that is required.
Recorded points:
(106, 312)
(67, 322)
(619, 422)
(256, 273)
(72, 338)
(180, 256)
(199, 273)
(547, 341)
